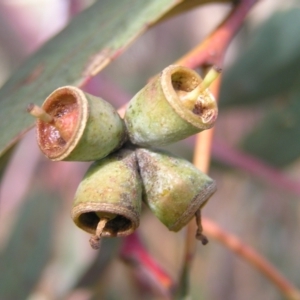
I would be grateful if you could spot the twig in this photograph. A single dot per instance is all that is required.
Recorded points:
(149, 273)
(212, 50)
(253, 257)
(233, 157)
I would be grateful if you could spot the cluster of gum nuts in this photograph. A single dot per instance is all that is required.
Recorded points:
(75, 126)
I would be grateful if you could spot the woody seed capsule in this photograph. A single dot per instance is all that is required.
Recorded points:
(174, 189)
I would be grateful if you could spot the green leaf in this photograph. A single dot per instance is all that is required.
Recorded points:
(276, 139)
(5, 159)
(86, 46)
(190, 4)
(108, 251)
(30, 246)
(270, 64)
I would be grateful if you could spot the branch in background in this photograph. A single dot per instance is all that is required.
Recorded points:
(224, 153)
(149, 274)
(254, 258)
(212, 50)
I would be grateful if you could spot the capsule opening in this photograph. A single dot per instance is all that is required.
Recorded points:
(112, 227)
(54, 137)
(184, 83)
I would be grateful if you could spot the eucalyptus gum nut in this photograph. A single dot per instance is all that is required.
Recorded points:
(174, 189)
(157, 116)
(110, 189)
(84, 127)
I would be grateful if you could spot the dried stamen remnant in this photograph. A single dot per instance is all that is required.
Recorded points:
(95, 239)
(197, 100)
(104, 218)
(199, 235)
(39, 113)
(51, 128)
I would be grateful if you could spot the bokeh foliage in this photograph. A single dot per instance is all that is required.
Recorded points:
(265, 76)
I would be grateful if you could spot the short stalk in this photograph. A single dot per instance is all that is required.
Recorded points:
(199, 233)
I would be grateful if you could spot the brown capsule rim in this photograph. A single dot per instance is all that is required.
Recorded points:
(84, 208)
(172, 97)
(198, 202)
(82, 106)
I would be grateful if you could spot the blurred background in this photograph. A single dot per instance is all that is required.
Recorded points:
(255, 161)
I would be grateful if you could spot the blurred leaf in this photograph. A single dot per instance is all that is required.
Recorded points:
(190, 4)
(86, 46)
(29, 248)
(270, 64)
(276, 139)
(5, 159)
(108, 250)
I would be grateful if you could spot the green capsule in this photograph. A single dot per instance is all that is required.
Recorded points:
(108, 200)
(75, 126)
(171, 107)
(174, 189)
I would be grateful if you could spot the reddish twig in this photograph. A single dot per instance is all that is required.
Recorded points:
(212, 50)
(253, 257)
(238, 159)
(149, 274)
